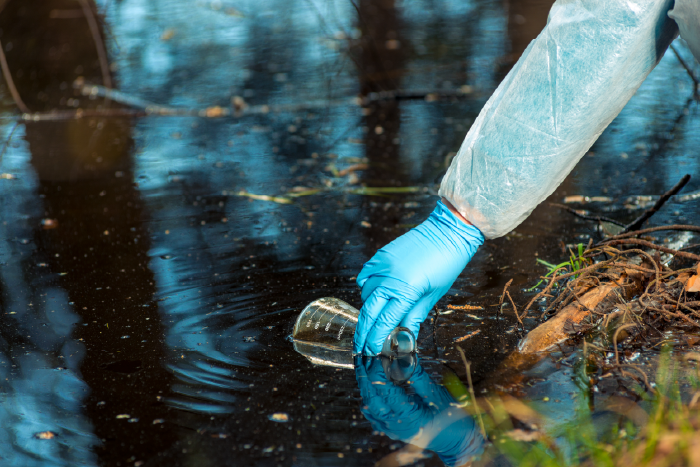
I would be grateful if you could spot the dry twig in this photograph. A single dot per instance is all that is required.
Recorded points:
(99, 43)
(637, 223)
(10, 83)
(471, 390)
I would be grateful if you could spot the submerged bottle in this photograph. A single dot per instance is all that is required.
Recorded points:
(325, 329)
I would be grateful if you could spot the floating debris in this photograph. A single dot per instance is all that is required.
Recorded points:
(274, 199)
(280, 417)
(587, 199)
(468, 336)
(465, 307)
(47, 224)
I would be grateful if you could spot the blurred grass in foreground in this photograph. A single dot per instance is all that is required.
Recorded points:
(657, 430)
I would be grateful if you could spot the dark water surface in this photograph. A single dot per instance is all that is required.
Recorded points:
(147, 300)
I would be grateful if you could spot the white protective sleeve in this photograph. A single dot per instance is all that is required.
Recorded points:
(568, 85)
(687, 14)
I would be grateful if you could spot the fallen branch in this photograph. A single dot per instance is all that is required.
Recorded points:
(687, 69)
(62, 115)
(677, 227)
(586, 217)
(637, 223)
(99, 43)
(645, 243)
(10, 83)
(675, 315)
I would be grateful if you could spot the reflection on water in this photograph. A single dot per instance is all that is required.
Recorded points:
(43, 392)
(146, 307)
(421, 413)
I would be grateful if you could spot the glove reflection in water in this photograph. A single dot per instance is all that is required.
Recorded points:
(418, 412)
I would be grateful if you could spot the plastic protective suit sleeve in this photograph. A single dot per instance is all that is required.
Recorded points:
(568, 85)
(686, 13)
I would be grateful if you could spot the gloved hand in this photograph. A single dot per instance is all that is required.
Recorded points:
(426, 419)
(402, 282)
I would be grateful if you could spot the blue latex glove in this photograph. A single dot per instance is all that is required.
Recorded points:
(425, 418)
(404, 280)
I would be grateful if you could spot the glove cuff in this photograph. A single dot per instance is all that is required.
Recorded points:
(446, 219)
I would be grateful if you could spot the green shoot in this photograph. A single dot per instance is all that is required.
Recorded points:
(575, 263)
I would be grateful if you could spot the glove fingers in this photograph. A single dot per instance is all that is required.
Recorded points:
(371, 309)
(418, 313)
(390, 317)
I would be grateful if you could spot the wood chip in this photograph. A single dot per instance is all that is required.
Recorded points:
(464, 338)
(464, 307)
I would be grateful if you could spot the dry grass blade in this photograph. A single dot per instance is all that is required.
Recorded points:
(471, 391)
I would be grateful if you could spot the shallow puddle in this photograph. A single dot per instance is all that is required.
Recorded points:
(152, 266)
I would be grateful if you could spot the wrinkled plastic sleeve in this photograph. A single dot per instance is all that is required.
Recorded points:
(686, 13)
(569, 84)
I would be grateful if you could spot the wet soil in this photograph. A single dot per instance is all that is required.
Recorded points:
(146, 301)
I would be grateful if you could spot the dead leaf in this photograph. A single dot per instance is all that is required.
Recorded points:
(693, 284)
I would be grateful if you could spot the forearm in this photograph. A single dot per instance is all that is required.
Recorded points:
(454, 211)
(570, 83)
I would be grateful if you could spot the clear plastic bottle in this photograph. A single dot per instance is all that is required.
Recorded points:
(324, 333)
